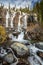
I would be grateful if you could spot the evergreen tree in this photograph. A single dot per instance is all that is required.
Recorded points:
(41, 9)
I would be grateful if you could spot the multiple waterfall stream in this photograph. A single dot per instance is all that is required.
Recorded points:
(34, 59)
(9, 20)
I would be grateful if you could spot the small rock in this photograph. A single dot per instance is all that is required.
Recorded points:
(39, 53)
(23, 62)
(39, 45)
(9, 58)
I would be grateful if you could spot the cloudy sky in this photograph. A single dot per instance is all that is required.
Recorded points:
(19, 3)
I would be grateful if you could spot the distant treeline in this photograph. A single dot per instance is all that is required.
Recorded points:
(38, 8)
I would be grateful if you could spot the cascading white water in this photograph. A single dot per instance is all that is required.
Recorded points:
(7, 16)
(19, 25)
(21, 36)
(12, 19)
(33, 51)
(25, 21)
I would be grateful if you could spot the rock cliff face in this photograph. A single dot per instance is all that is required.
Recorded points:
(16, 19)
(2, 15)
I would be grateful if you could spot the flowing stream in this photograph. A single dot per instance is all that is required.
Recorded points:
(7, 16)
(33, 56)
(33, 51)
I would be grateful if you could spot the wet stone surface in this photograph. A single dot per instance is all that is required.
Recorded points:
(40, 54)
(20, 49)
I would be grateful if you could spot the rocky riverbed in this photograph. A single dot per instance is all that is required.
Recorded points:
(33, 58)
(25, 53)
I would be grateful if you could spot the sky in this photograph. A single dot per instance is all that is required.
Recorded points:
(19, 3)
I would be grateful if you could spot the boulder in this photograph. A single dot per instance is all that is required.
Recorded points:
(39, 45)
(9, 58)
(38, 36)
(20, 49)
(40, 54)
(16, 33)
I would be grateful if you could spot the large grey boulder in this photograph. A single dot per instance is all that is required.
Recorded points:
(20, 49)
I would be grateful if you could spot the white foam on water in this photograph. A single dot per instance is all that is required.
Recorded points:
(20, 37)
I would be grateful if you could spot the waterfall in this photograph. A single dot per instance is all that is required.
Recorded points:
(19, 25)
(12, 17)
(25, 21)
(21, 36)
(7, 16)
